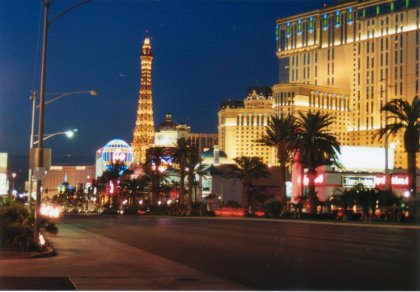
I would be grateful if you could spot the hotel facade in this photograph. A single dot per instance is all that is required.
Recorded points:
(241, 123)
(349, 60)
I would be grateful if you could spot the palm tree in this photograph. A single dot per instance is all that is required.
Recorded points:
(114, 172)
(193, 159)
(153, 171)
(247, 169)
(180, 154)
(154, 178)
(315, 147)
(405, 117)
(279, 134)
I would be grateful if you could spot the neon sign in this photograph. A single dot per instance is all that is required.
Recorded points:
(396, 180)
(352, 181)
(319, 180)
(117, 150)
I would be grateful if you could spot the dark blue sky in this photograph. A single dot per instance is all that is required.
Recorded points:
(204, 52)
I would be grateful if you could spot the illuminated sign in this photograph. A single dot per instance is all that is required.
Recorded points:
(352, 181)
(3, 184)
(319, 180)
(117, 150)
(356, 158)
(396, 180)
(56, 168)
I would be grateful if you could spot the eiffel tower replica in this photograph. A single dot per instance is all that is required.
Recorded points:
(143, 134)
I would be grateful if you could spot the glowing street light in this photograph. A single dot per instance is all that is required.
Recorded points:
(13, 181)
(69, 134)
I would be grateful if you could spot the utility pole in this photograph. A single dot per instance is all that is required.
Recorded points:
(31, 145)
(40, 156)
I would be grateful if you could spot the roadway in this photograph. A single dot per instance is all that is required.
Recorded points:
(105, 252)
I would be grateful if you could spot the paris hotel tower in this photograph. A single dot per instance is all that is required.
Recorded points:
(143, 134)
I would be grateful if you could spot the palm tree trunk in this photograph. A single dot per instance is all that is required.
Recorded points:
(312, 193)
(181, 185)
(411, 160)
(245, 195)
(190, 188)
(283, 196)
(412, 172)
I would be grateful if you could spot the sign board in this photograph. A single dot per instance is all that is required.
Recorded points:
(39, 173)
(352, 181)
(34, 154)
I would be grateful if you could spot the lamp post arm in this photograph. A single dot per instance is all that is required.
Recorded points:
(67, 11)
(91, 92)
(48, 136)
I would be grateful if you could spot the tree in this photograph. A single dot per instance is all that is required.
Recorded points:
(404, 117)
(279, 134)
(154, 172)
(315, 147)
(114, 172)
(247, 169)
(193, 159)
(180, 155)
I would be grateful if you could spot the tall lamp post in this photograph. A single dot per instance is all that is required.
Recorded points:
(31, 140)
(13, 181)
(40, 154)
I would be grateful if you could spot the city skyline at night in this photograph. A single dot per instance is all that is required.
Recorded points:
(206, 52)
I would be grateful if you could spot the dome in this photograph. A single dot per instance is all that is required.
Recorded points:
(210, 153)
(214, 156)
(168, 124)
(117, 150)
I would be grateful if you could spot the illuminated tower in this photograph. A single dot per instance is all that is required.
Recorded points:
(143, 134)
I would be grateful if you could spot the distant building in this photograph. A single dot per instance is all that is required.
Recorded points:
(168, 132)
(143, 133)
(241, 123)
(293, 97)
(217, 164)
(77, 176)
(202, 141)
(4, 185)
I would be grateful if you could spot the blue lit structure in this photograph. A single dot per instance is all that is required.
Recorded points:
(117, 150)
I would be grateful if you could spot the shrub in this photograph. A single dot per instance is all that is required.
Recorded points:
(16, 227)
(272, 208)
(232, 204)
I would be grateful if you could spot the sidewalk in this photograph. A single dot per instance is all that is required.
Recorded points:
(94, 262)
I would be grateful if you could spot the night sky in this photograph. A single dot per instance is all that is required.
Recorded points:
(204, 52)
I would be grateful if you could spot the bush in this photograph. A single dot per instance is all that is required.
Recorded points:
(16, 227)
(232, 204)
(272, 208)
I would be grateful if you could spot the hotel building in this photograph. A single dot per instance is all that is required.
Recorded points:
(241, 123)
(76, 176)
(350, 59)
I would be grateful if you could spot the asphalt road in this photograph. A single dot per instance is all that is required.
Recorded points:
(273, 255)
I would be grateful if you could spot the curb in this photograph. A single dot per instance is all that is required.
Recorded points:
(338, 223)
(50, 252)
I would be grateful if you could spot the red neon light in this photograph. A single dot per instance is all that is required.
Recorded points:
(319, 180)
(396, 180)
(229, 212)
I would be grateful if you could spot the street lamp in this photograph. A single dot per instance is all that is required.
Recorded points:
(34, 107)
(13, 181)
(40, 163)
(69, 134)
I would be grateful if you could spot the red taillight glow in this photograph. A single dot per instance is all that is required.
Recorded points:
(229, 212)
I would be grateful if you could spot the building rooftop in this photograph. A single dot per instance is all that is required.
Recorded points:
(168, 124)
